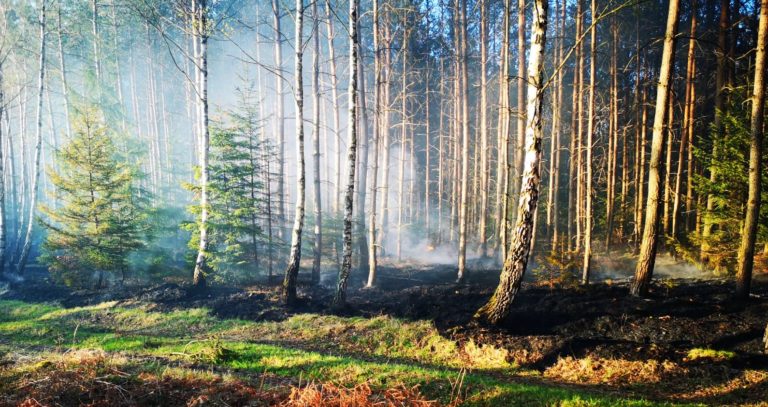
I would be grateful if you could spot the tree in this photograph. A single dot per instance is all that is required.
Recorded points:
(516, 260)
(100, 219)
(747, 249)
(346, 262)
(236, 192)
(645, 263)
(200, 37)
(294, 261)
(22, 263)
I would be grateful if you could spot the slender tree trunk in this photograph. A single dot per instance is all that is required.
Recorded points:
(346, 263)
(464, 204)
(747, 249)
(335, 106)
(372, 258)
(503, 136)
(497, 308)
(520, 143)
(386, 75)
(647, 258)
(613, 136)
(200, 24)
(685, 133)
(585, 271)
(22, 263)
(403, 138)
(483, 111)
(96, 48)
(363, 174)
(2, 175)
(292, 270)
(720, 84)
(318, 245)
(63, 72)
(280, 120)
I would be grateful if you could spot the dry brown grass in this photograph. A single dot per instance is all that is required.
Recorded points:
(99, 379)
(328, 395)
(590, 370)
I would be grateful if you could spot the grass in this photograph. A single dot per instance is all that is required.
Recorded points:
(709, 354)
(380, 352)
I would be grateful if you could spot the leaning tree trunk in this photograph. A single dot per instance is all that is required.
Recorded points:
(346, 263)
(317, 247)
(22, 263)
(645, 263)
(201, 65)
(516, 260)
(747, 249)
(292, 270)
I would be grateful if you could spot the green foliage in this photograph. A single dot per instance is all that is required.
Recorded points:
(101, 218)
(727, 153)
(238, 206)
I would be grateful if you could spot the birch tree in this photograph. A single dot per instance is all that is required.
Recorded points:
(24, 255)
(346, 262)
(497, 308)
(294, 261)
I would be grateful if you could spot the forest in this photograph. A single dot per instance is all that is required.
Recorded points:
(383, 203)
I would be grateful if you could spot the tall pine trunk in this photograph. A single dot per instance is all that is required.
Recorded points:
(645, 263)
(749, 233)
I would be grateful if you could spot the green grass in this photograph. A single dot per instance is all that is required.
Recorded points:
(382, 351)
(710, 354)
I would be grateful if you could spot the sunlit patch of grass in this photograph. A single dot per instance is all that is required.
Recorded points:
(709, 354)
(380, 336)
(382, 352)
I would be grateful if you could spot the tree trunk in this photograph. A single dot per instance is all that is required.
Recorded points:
(335, 105)
(201, 64)
(720, 84)
(22, 263)
(318, 244)
(503, 136)
(280, 121)
(747, 249)
(464, 204)
(372, 259)
(63, 72)
(497, 308)
(685, 133)
(588, 162)
(483, 111)
(346, 264)
(645, 262)
(2, 176)
(292, 270)
(363, 173)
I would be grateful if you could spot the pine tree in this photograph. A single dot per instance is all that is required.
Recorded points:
(100, 219)
(237, 193)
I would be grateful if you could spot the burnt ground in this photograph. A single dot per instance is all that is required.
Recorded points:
(549, 322)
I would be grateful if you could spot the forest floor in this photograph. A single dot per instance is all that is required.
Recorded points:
(410, 340)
